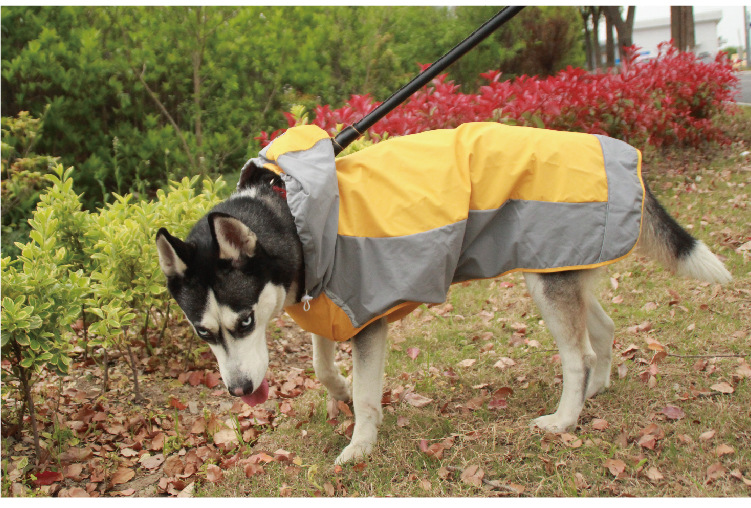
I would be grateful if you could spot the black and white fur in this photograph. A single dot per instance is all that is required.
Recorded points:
(242, 264)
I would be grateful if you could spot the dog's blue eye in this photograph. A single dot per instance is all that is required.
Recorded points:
(203, 332)
(246, 324)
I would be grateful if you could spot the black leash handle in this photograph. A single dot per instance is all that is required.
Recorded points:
(352, 132)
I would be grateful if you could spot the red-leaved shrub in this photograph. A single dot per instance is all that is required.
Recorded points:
(669, 100)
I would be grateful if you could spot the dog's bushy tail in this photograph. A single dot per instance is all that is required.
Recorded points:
(664, 240)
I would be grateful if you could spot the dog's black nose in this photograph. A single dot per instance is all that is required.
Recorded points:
(244, 388)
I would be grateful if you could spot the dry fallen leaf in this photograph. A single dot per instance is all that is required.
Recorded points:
(122, 475)
(467, 363)
(252, 469)
(152, 461)
(226, 437)
(473, 475)
(648, 441)
(735, 473)
(47, 477)
(199, 426)
(76, 454)
(344, 408)
(504, 362)
(615, 466)
(213, 473)
(73, 492)
(743, 370)
(416, 400)
(173, 466)
(73, 471)
(622, 371)
(673, 412)
(188, 490)
(723, 387)
(724, 449)
(600, 424)
(715, 472)
(212, 379)
(260, 457)
(175, 402)
(654, 474)
(706, 436)
(413, 352)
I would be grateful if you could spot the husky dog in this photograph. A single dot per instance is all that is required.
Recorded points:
(244, 262)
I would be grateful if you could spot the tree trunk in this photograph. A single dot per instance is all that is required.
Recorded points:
(197, 60)
(137, 397)
(106, 371)
(609, 43)
(585, 14)
(624, 28)
(24, 375)
(682, 27)
(596, 36)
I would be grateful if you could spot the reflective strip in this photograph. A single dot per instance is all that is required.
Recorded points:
(531, 235)
(626, 199)
(373, 274)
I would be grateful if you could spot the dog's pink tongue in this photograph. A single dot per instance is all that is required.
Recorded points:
(259, 396)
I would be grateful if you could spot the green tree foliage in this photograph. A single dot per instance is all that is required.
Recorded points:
(100, 269)
(41, 293)
(23, 178)
(140, 95)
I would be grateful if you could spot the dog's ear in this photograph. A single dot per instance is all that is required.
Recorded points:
(233, 238)
(173, 254)
(252, 174)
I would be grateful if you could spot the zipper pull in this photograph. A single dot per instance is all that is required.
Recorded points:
(306, 302)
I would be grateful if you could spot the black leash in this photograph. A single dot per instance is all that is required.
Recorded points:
(352, 132)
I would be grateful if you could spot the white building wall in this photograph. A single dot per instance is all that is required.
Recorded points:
(649, 34)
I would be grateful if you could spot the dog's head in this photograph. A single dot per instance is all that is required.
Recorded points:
(229, 288)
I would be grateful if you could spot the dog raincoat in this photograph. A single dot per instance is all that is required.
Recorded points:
(395, 224)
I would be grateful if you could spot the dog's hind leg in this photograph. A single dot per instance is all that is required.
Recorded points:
(601, 331)
(368, 364)
(324, 353)
(561, 299)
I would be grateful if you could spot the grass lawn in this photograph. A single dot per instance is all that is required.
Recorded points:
(676, 420)
(464, 379)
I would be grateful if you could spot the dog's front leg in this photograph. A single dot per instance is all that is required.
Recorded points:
(368, 364)
(324, 353)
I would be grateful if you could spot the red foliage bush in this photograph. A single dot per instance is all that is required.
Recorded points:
(669, 100)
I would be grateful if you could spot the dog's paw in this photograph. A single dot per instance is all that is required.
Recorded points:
(593, 391)
(551, 423)
(598, 384)
(343, 391)
(354, 451)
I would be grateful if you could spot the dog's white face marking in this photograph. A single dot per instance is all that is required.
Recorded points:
(242, 357)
